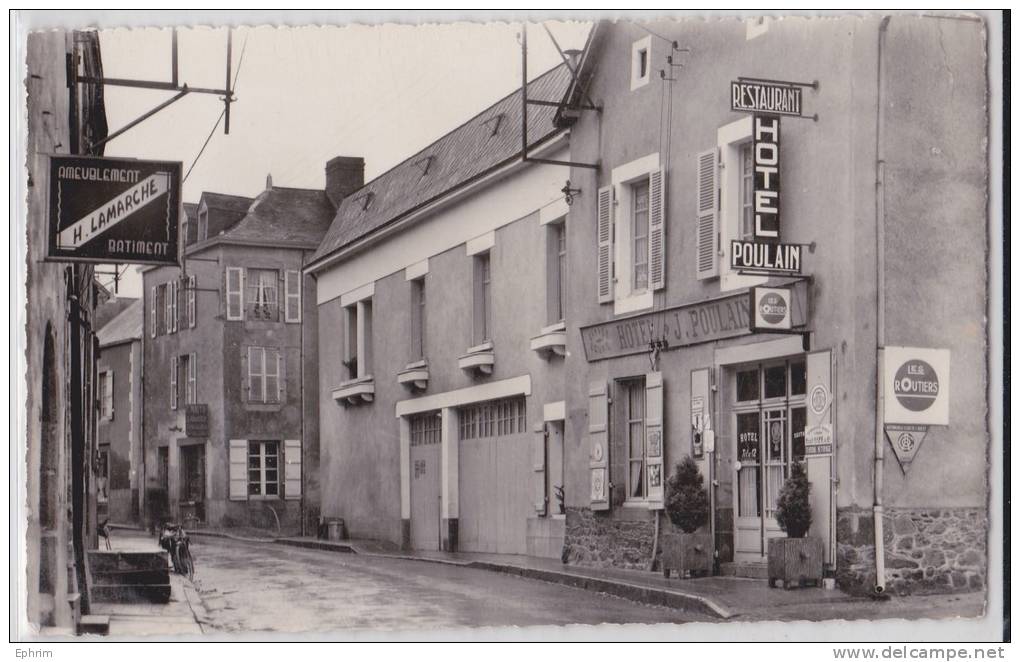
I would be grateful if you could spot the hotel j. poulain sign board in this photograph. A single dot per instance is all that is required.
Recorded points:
(689, 324)
(113, 210)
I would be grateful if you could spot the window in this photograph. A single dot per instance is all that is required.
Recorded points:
(203, 224)
(265, 375)
(634, 404)
(494, 418)
(358, 339)
(292, 292)
(262, 294)
(727, 171)
(639, 214)
(106, 395)
(746, 192)
(483, 299)
(190, 375)
(417, 319)
(159, 312)
(192, 303)
(556, 269)
(170, 305)
(640, 62)
(175, 394)
(426, 429)
(263, 468)
(233, 284)
(632, 235)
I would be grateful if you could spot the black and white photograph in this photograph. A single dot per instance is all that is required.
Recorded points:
(509, 326)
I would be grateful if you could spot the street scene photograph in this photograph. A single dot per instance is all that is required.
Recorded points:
(508, 326)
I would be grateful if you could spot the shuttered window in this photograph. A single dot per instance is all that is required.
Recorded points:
(707, 218)
(657, 230)
(605, 245)
(639, 235)
(262, 297)
(265, 375)
(233, 284)
(292, 292)
(174, 394)
(263, 468)
(192, 303)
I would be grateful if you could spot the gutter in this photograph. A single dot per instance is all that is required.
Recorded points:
(878, 508)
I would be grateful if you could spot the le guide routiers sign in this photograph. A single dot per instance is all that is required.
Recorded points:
(114, 210)
(916, 383)
(689, 324)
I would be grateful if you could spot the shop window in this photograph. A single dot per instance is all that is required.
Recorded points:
(262, 295)
(263, 469)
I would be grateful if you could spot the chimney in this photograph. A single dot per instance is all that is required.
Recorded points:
(344, 175)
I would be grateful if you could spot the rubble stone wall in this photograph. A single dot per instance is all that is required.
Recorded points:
(599, 540)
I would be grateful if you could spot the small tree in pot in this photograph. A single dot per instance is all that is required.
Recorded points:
(688, 508)
(795, 559)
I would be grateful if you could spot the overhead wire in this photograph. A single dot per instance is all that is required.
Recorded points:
(233, 88)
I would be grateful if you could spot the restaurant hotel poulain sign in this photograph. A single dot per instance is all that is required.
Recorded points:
(689, 324)
(114, 210)
(916, 386)
(766, 101)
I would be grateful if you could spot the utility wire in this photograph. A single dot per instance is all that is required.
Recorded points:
(233, 88)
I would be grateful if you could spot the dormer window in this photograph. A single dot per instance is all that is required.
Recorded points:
(203, 224)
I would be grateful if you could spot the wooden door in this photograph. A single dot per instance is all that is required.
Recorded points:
(495, 498)
(425, 495)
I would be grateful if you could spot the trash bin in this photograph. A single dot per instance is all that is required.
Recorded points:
(336, 529)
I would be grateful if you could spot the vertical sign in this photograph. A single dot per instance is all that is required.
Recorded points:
(765, 134)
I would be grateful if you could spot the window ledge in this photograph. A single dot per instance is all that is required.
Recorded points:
(415, 376)
(479, 359)
(551, 341)
(355, 391)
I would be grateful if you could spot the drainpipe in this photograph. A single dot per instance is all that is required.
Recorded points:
(878, 509)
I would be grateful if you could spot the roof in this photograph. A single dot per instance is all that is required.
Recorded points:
(285, 215)
(466, 153)
(124, 327)
(236, 203)
(110, 309)
(191, 209)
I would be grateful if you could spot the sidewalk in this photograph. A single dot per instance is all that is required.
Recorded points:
(180, 617)
(722, 598)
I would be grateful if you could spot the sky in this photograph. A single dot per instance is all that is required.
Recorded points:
(305, 95)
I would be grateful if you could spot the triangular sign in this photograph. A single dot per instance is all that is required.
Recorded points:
(906, 440)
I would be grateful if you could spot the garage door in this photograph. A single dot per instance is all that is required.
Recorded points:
(495, 477)
(425, 480)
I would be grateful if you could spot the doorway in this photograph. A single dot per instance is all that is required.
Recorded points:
(768, 418)
(192, 494)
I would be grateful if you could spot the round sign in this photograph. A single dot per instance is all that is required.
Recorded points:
(916, 386)
(773, 308)
(596, 451)
(819, 399)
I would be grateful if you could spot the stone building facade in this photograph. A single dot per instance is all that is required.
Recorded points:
(661, 360)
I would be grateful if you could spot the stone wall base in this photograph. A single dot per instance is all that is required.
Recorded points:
(596, 539)
(927, 550)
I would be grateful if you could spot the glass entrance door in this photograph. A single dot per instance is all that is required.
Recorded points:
(768, 423)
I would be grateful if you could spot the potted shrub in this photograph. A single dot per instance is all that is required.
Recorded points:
(688, 552)
(796, 559)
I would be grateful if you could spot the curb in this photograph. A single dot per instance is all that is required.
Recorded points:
(635, 592)
(220, 534)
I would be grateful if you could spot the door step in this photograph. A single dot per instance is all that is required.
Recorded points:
(747, 570)
(94, 624)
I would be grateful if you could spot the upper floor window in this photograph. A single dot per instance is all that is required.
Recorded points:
(183, 380)
(417, 319)
(265, 375)
(483, 298)
(203, 224)
(358, 339)
(639, 214)
(746, 192)
(640, 62)
(262, 300)
(556, 270)
(164, 308)
(106, 394)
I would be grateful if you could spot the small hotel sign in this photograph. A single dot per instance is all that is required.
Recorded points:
(113, 210)
(749, 257)
(774, 98)
(680, 326)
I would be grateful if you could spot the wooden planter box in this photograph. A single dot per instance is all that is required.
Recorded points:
(796, 561)
(687, 552)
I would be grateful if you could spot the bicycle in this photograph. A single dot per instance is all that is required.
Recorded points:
(174, 539)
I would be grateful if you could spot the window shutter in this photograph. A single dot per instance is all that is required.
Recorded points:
(238, 469)
(246, 374)
(655, 442)
(235, 293)
(708, 215)
(109, 387)
(279, 376)
(152, 331)
(292, 289)
(598, 441)
(605, 244)
(192, 303)
(168, 306)
(173, 382)
(541, 498)
(193, 376)
(176, 286)
(701, 412)
(657, 230)
(292, 469)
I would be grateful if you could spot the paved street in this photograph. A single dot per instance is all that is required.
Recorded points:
(265, 587)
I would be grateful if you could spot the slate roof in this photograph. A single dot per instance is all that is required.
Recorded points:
(124, 327)
(285, 215)
(225, 210)
(468, 152)
(110, 309)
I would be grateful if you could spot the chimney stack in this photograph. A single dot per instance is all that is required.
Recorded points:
(344, 175)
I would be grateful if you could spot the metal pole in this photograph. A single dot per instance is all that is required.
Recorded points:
(226, 107)
(173, 57)
(139, 120)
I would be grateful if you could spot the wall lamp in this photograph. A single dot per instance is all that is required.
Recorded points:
(569, 193)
